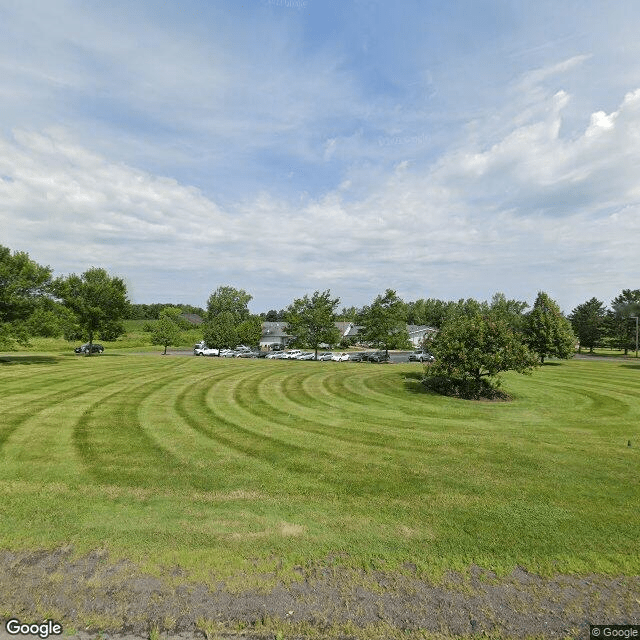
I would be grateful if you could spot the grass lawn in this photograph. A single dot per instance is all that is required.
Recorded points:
(133, 339)
(233, 467)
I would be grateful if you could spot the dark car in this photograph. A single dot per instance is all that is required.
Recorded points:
(356, 357)
(95, 348)
(421, 356)
(377, 356)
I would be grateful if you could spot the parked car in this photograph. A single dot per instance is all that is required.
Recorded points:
(210, 352)
(377, 356)
(421, 356)
(227, 353)
(327, 355)
(275, 355)
(356, 357)
(340, 357)
(247, 354)
(293, 354)
(308, 355)
(95, 348)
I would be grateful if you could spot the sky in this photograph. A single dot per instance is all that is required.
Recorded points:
(443, 149)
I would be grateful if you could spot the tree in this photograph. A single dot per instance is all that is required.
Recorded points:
(23, 283)
(97, 300)
(227, 308)
(510, 310)
(471, 350)
(250, 331)
(49, 319)
(166, 330)
(234, 301)
(384, 323)
(547, 332)
(312, 320)
(619, 325)
(429, 312)
(221, 333)
(587, 320)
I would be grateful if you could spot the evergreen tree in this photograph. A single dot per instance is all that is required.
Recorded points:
(587, 320)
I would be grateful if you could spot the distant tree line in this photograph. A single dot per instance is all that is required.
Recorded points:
(93, 304)
(154, 311)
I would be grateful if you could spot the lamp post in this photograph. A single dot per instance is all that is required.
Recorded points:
(636, 319)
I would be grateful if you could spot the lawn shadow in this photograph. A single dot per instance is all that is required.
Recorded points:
(630, 366)
(35, 359)
(412, 382)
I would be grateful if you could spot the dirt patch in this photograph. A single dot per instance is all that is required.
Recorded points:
(92, 596)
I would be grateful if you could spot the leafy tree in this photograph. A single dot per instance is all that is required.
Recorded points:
(620, 327)
(348, 314)
(97, 300)
(430, 312)
(228, 299)
(250, 331)
(547, 332)
(227, 308)
(166, 330)
(49, 319)
(471, 350)
(222, 332)
(312, 320)
(587, 320)
(274, 316)
(510, 310)
(384, 323)
(23, 283)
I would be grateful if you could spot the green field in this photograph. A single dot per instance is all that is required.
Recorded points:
(233, 467)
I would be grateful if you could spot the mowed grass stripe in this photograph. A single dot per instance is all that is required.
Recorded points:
(338, 430)
(162, 415)
(117, 450)
(208, 415)
(533, 482)
(17, 414)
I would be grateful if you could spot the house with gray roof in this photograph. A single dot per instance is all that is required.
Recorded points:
(274, 333)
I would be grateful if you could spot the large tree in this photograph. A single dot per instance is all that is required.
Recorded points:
(587, 320)
(620, 326)
(98, 301)
(231, 300)
(23, 284)
(312, 320)
(471, 350)
(384, 322)
(250, 331)
(547, 332)
(222, 331)
(227, 310)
